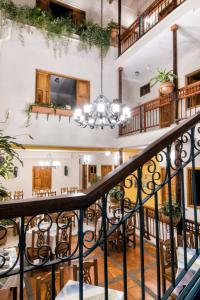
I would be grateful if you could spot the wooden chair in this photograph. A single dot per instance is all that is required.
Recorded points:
(3, 235)
(87, 268)
(64, 241)
(18, 195)
(43, 284)
(64, 190)
(189, 240)
(166, 260)
(130, 230)
(51, 194)
(41, 194)
(68, 216)
(8, 293)
(38, 250)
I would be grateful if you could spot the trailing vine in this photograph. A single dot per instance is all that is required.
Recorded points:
(91, 34)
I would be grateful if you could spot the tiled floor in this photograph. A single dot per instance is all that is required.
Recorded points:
(115, 271)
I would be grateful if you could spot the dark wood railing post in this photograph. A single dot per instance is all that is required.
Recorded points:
(120, 25)
(120, 72)
(174, 29)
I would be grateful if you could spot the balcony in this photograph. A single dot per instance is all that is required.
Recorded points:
(164, 111)
(153, 15)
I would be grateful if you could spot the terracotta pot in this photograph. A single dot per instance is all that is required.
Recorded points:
(42, 110)
(114, 200)
(63, 112)
(166, 88)
(166, 219)
(114, 33)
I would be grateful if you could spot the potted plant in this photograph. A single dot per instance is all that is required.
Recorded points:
(42, 108)
(64, 111)
(114, 29)
(116, 194)
(166, 81)
(165, 213)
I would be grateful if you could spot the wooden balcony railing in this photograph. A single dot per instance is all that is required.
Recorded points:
(155, 13)
(161, 112)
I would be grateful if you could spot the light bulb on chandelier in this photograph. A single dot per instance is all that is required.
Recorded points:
(102, 112)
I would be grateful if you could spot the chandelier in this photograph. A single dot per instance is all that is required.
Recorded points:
(102, 112)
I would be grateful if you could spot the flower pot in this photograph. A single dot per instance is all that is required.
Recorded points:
(63, 112)
(42, 110)
(113, 200)
(166, 88)
(166, 219)
(114, 33)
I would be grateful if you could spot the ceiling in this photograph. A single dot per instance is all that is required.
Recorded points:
(136, 5)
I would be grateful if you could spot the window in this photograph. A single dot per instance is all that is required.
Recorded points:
(190, 187)
(60, 90)
(145, 89)
(60, 10)
(194, 100)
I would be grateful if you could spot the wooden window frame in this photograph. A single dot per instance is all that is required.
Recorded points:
(44, 5)
(49, 87)
(145, 89)
(187, 107)
(189, 188)
(90, 173)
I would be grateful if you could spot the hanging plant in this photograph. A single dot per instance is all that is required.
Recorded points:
(90, 33)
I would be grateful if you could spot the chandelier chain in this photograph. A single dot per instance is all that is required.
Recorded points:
(101, 49)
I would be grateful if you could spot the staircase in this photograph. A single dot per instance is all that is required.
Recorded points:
(134, 193)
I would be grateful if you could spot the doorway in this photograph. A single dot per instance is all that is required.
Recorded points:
(41, 178)
(105, 169)
(84, 177)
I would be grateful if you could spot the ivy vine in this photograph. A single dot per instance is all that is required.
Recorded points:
(91, 34)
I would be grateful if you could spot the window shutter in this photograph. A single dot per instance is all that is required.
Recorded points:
(82, 92)
(42, 87)
(43, 4)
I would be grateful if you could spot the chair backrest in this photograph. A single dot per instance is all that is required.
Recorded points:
(41, 194)
(52, 193)
(3, 235)
(8, 293)
(39, 241)
(166, 255)
(87, 268)
(189, 240)
(18, 195)
(64, 190)
(63, 240)
(43, 285)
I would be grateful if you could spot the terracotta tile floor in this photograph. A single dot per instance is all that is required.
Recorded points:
(115, 272)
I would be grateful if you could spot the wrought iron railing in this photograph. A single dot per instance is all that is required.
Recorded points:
(67, 217)
(161, 112)
(155, 13)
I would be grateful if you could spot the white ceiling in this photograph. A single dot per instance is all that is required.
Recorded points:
(136, 5)
(154, 53)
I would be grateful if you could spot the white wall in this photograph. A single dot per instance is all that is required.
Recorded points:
(18, 62)
(72, 160)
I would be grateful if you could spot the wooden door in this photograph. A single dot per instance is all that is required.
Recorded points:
(105, 169)
(82, 92)
(42, 177)
(43, 4)
(84, 176)
(42, 87)
(92, 173)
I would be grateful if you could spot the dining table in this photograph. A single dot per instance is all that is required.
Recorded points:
(91, 292)
(190, 273)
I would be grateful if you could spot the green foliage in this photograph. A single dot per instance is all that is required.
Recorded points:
(7, 154)
(116, 192)
(176, 210)
(6, 222)
(163, 76)
(112, 24)
(90, 33)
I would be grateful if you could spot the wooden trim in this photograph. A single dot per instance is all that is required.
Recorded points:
(28, 207)
(189, 188)
(61, 75)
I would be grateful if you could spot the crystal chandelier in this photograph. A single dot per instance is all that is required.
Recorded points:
(102, 112)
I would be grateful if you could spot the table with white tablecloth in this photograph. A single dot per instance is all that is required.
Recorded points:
(91, 292)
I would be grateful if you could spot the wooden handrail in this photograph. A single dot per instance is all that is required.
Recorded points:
(58, 203)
